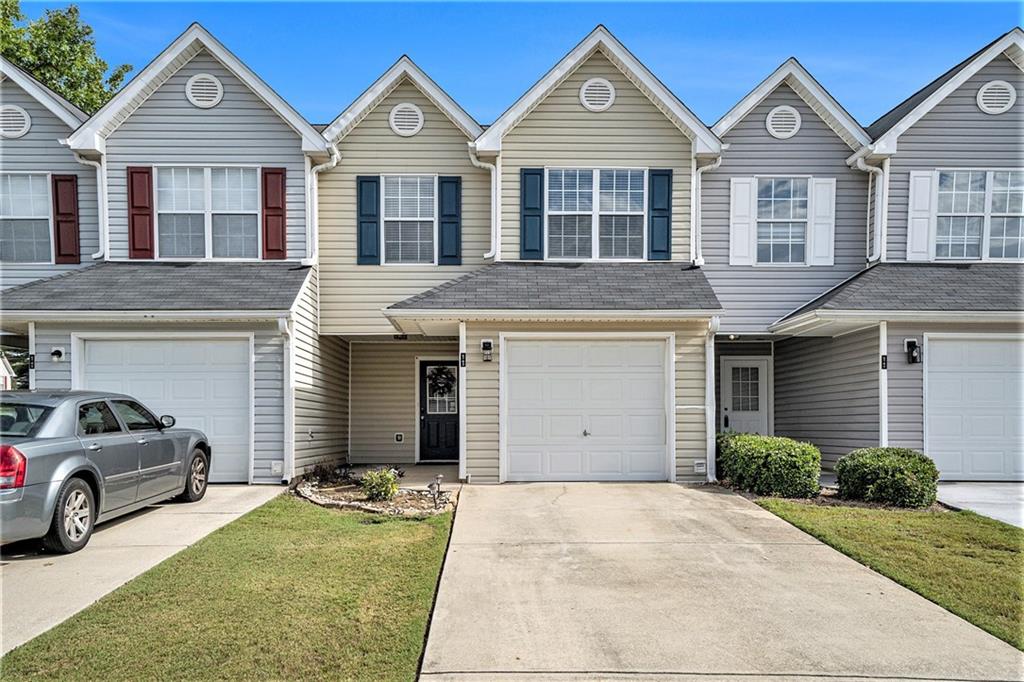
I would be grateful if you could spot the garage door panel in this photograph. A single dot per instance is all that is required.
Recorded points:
(565, 390)
(525, 462)
(564, 462)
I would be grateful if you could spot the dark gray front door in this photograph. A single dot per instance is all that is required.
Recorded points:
(439, 410)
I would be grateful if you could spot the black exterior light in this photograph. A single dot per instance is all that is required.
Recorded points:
(57, 354)
(487, 348)
(913, 351)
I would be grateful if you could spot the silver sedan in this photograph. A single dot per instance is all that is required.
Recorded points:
(72, 459)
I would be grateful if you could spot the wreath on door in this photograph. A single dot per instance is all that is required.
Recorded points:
(441, 381)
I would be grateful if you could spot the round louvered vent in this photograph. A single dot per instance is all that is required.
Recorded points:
(996, 97)
(406, 119)
(783, 122)
(14, 121)
(204, 90)
(597, 94)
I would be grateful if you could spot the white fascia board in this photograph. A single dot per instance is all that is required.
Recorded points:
(791, 68)
(403, 68)
(140, 315)
(410, 314)
(887, 142)
(54, 103)
(84, 138)
(821, 317)
(705, 141)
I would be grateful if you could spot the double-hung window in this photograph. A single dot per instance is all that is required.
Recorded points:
(208, 212)
(25, 218)
(410, 218)
(596, 213)
(781, 220)
(979, 215)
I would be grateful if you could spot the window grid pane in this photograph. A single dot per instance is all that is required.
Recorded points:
(182, 235)
(180, 190)
(621, 191)
(1005, 240)
(408, 241)
(24, 196)
(782, 220)
(745, 389)
(24, 241)
(571, 190)
(621, 236)
(409, 197)
(570, 236)
(235, 236)
(234, 189)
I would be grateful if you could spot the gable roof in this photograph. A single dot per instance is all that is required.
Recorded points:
(93, 133)
(792, 73)
(57, 105)
(403, 69)
(887, 129)
(705, 141)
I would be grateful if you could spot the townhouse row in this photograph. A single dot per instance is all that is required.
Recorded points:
(589, 288)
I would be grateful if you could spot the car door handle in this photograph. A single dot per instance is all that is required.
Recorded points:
(142, 441)
(95, 447)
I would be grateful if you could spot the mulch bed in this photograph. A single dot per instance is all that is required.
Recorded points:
(407, 502)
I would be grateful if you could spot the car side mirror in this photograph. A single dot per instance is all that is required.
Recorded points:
(167, 420)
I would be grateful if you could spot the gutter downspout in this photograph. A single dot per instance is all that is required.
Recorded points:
(483, 165)
(101, 198)
(697, 229)
(284, 327)
(313, 204)
(880, 177)
(709, 396)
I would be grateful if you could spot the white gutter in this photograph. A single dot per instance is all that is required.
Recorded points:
(883, 385)
(709, 396)
(880, 177)
(101, 198)
(284, 326)
(122, 315)
(475, 160)
(697, 227)
(313, 204)
(513, 314)
(463, 417)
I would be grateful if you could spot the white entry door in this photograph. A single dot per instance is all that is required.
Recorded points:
(744, 393)
(202, 383)
(585, 410)
(974, 412)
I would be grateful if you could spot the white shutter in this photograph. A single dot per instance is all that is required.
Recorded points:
(821, 223)
(742, 221)
(920, 214)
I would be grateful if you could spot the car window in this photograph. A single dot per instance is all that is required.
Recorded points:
(135, 416)
(97, 418)
(22, 420)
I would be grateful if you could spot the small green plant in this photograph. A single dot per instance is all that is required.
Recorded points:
(769, 465)
(896, 476)
(379, 484)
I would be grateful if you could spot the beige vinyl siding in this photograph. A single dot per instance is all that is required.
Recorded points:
(351, 296)
(561, 132)
(321, 386)
(482, 391)
(384, 384)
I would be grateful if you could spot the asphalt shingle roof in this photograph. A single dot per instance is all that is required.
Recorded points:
(928, 287)
(265, 285)
(572, 286)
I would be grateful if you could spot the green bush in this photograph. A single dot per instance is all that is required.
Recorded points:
(896, 476)
(379, 484)
(769, 465)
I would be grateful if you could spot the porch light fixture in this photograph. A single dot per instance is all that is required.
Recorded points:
(57, 354)
(487, 348)
(913, 351)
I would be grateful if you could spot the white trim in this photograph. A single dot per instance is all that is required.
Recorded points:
(791, 71)
(384, 221)
(463, 401)
(883, 385)
(416, 360)
(24, 128)
(92, 135)
(67, 112)
(586, 314)
(130, 315)
(873, 316)
(769, 374)
(709, 400)
(986, 215)
(403, 68)
(705, 141)
(670, 385)
(288, 350)
(32, 352)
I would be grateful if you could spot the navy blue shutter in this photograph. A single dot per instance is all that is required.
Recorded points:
(449, 216)
(531, 213)
(368, 220)
(659, 215)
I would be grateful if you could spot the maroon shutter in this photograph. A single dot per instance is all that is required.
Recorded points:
(275, 246)
(65, 219)
(140, 212)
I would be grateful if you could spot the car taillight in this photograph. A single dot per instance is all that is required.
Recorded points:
(12, 467)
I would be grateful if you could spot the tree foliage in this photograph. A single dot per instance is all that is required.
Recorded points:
(59, 50)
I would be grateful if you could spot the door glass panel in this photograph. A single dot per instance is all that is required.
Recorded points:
(97, 418)
(442, 390)
(745, 389)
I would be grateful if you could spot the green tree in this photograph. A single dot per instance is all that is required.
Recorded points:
(60, 51)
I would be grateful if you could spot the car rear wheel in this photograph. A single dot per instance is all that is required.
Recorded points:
(73, 518)
(196, 477)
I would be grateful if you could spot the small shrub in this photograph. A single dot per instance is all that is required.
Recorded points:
(379, 484)
(896, 476)
(770, 465)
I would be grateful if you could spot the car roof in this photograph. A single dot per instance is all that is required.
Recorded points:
(54, 398)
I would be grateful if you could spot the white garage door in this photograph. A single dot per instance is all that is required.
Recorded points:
(585, 410)
(203, 383)
(975, 414)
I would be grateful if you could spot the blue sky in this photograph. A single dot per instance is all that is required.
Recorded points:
(321, 56)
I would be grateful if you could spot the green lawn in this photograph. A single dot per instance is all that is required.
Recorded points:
(968, 564)
(289, 591)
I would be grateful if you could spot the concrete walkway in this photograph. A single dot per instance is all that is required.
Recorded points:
(1001, 501)
(41, 590)
(628, 581)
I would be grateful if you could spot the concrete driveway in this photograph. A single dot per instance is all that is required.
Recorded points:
(610, 581)
(42, 590)
(1001, 501)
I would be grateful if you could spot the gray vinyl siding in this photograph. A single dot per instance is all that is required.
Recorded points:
(826, 392)
(321, 386)
(755, 296)
(39, 151)
(956, 134)
(241, 130)
(268, 376)
(731, 349)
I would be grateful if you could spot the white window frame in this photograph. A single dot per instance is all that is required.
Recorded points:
(208, 212)
(595, 214)
(49, 205)
(986, 229)
(807, 221)
(383, 255)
